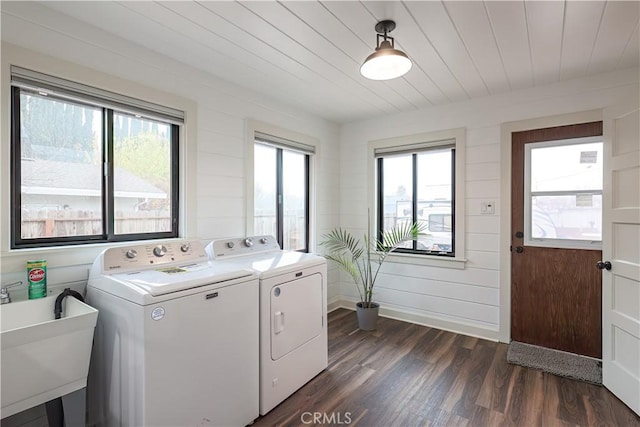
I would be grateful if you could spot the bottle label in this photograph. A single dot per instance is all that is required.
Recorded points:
(37, 278)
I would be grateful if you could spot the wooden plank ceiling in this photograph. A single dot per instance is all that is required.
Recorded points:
(308, 53)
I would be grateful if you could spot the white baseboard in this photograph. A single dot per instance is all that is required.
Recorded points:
(334, 304)
(398, 313)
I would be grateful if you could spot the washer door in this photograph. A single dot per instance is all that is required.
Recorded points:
(296, 314)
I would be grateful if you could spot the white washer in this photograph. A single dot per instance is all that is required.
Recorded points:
(176, 342)
(293, 312)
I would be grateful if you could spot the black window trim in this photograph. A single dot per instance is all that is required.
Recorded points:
(262, 140)
(414, 195)
(108, 218)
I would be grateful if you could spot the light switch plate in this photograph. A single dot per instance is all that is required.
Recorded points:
(487, 208)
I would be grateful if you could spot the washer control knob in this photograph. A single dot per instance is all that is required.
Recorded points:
(230, 245)
(185, 247)
(264, 240)
(131, 253)
(248, 242)
(160, 250)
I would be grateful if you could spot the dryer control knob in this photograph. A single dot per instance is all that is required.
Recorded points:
(230, 245)
(185, 247)
(248, 242)
(160, 250)
(264, 240)
(131, 253)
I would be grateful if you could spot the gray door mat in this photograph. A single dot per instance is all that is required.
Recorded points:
(556, 362)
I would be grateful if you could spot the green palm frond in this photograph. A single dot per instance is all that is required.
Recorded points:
(341, 241)
(356, 257)
(346, 264)
(392, 239)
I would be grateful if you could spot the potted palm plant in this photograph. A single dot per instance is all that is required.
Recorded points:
(362, 259)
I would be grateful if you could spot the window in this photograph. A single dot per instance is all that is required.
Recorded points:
(281, 191)
(563, 193)
(88, 165)
(417, 184)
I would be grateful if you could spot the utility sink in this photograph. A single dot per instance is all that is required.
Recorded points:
(43, 358)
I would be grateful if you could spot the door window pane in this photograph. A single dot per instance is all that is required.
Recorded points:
(294, 226)
(141, 175)
(61, 168)
(563, 204)
(264, 190)
(574, 217)
(566, 167)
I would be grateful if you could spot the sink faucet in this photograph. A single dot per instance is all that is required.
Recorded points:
(5, 298)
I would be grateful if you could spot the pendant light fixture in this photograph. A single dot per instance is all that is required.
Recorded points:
(386, 62)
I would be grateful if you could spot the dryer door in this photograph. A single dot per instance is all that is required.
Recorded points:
(296, 314)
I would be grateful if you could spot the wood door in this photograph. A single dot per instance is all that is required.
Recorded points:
(621, 247)
(556, 293)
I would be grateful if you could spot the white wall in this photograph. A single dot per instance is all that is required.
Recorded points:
(467, 300)
(216, 110)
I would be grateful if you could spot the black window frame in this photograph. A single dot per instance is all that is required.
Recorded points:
(415, 201)
(107, 192)
(280, 191)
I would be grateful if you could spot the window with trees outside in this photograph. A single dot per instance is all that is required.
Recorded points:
(417, 185)
(88, 165)
(281, 191)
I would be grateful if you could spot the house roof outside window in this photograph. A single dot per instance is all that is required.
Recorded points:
(80, 179)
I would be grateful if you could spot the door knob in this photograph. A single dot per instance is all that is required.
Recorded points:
(603, 265)
(519, 249)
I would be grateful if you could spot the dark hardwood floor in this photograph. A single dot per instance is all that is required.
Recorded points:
(409, 375)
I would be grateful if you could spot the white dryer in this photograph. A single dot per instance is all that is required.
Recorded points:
(293, 312)
(176, 342)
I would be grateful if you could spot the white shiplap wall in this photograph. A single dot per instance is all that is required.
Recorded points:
(466, 300)
(218, 168)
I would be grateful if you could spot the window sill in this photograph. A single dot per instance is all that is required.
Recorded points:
(428, 260)
(14, 260)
